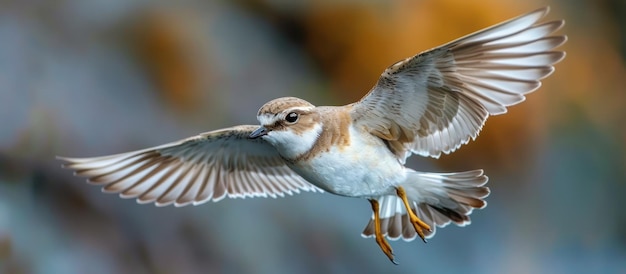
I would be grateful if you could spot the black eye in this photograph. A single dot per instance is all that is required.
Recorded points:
(292, 117)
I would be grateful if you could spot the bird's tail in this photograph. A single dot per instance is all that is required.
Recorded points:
(437, 198)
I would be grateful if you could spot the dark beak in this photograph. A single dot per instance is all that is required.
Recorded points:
(258, 133)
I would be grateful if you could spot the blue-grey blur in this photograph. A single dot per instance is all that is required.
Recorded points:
(88, 78)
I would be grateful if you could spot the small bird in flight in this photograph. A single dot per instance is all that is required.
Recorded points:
(427, 104)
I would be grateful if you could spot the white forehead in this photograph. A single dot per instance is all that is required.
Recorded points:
(267, 119)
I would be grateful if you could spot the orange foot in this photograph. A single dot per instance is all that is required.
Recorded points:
(418, 224)
(380, 239)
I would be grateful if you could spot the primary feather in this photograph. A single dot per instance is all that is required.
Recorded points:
(435, 101)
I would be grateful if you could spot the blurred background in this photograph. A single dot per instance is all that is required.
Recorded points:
(88, 78)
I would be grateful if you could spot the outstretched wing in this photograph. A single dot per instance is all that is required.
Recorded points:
(435, 101)
(206, 167)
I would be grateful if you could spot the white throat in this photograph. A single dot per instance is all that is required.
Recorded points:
(290, 144)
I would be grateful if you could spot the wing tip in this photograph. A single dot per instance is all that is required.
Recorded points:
(67, 162)
(541, 12)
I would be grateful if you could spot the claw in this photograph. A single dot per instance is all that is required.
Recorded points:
(417, 223)
(380, 238)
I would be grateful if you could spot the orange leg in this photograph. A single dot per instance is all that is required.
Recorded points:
(418, 224)
(380, 239)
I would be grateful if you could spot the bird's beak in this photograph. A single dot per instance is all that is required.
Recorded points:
(258, 133)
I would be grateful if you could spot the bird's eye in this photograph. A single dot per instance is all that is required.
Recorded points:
(292, 117)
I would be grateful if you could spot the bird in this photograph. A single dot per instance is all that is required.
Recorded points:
(428, 104)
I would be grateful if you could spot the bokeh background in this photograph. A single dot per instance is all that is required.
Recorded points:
(87, 78)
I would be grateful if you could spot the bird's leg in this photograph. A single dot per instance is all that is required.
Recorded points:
(418, 224)
(380, 239)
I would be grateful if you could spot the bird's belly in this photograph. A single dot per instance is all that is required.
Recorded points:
(354, 171)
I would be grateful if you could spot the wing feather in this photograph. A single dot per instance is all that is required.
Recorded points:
(438, 100)
(209, 166)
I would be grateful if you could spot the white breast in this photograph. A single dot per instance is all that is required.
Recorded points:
(365, 168)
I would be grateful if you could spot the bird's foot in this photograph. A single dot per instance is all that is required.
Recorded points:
(380, 238)
(417, 223)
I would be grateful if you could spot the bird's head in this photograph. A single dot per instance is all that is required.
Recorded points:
(290, 124)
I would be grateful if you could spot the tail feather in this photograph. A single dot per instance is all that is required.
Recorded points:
(437, 198)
